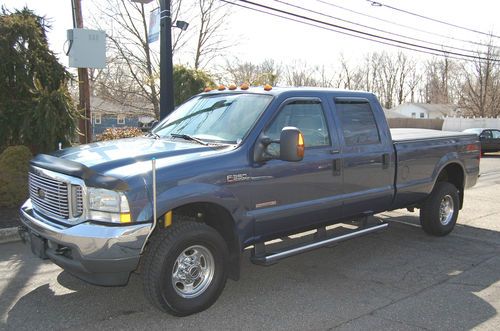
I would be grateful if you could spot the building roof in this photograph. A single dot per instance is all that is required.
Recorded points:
(393, 114)
(111, 107)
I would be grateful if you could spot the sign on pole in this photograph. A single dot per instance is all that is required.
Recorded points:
(154, 26)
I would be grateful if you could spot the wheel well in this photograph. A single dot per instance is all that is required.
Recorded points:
(218, 218)
(453, 173)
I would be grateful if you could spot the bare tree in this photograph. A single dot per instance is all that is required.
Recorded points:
(267, 72)
(210, 38)
(300, 74)
(481, 91)
(132, 73)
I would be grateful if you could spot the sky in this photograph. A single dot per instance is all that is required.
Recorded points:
(258, 36)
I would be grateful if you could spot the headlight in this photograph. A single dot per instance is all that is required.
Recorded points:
(108, 206)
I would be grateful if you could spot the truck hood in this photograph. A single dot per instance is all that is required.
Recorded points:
(105, 156)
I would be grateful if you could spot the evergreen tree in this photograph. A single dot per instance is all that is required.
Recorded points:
(36, 108)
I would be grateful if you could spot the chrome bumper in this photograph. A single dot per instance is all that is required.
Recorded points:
(98, 254)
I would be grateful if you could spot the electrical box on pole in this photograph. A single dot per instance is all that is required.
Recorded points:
(87, 48)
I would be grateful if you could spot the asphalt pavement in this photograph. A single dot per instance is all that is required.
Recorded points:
(398, 279)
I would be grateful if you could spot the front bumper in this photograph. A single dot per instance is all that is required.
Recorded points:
(98, 254)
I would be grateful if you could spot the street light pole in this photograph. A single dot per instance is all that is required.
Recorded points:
(166, 65)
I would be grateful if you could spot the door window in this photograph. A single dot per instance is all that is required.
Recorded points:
(486, 134)
(495, 134)
(358, 123)
(308, 117)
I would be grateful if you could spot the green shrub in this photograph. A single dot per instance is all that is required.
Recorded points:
(118, 133)
(14, 164)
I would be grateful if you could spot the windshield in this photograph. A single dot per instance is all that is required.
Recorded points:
(225, 118)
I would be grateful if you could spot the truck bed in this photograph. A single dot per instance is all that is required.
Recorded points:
(422, 153)
(405, 135)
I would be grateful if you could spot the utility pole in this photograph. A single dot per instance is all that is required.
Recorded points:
(84, 124)
(166, 65)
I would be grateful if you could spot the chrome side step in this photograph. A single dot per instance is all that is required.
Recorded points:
(260, 257)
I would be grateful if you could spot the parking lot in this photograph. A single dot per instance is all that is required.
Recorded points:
(398, 279)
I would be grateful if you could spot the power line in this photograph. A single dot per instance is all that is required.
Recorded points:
(442, 54)
(403, 25)
(375, 29)
(380, 4)
(365, 33)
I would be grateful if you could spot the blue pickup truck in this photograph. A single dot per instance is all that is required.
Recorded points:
(235, 169)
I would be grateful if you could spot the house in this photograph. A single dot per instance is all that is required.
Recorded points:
(428, 110)
(110, 113)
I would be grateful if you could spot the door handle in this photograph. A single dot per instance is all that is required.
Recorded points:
(337, 167)
(334, 151)
(386, 159)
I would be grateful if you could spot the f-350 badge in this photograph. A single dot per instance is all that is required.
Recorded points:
(237, 178)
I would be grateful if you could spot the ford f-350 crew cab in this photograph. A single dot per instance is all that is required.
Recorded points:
(238, 169)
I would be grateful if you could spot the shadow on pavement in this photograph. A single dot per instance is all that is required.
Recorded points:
(399, 279)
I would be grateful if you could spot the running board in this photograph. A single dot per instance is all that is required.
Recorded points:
(260, 257)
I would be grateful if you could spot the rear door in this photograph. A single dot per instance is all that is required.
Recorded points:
(495, 143)
(367, 155)
(487, 143)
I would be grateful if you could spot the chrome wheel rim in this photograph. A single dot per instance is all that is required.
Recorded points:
(446, 210)
(193, 271)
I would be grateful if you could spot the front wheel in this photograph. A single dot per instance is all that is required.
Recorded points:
(439, 213)
(185, 268)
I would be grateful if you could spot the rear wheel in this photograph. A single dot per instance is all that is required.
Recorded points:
(439, 213)
(185, 268)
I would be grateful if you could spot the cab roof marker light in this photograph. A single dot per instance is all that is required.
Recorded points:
(207, 89)
(244, 86)
(268, 87)
(221, 87)
(232, 87)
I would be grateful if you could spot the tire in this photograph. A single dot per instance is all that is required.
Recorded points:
(439, 212)
(185, 268)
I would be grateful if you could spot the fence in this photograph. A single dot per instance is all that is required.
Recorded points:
(422, 123)
(462, 123)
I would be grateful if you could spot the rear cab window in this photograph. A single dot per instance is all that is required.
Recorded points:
(357, 121)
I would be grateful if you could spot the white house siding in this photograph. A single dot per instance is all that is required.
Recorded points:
(411, 110)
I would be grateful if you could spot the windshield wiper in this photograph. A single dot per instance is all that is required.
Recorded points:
(153, 135)
(188, 137)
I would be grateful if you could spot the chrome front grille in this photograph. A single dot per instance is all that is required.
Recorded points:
(55, 195)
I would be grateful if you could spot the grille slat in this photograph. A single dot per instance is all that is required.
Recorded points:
(50, 196)
(46, 208)
(60, 187)
(50, 203)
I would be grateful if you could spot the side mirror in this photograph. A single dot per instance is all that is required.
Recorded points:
(291, 144)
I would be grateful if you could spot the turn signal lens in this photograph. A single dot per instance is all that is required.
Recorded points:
(301, 140)
(125, 218)
(300, 146)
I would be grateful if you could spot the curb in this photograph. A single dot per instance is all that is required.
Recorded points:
(8, 235)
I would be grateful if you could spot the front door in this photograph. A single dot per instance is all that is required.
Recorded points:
(295, 195)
